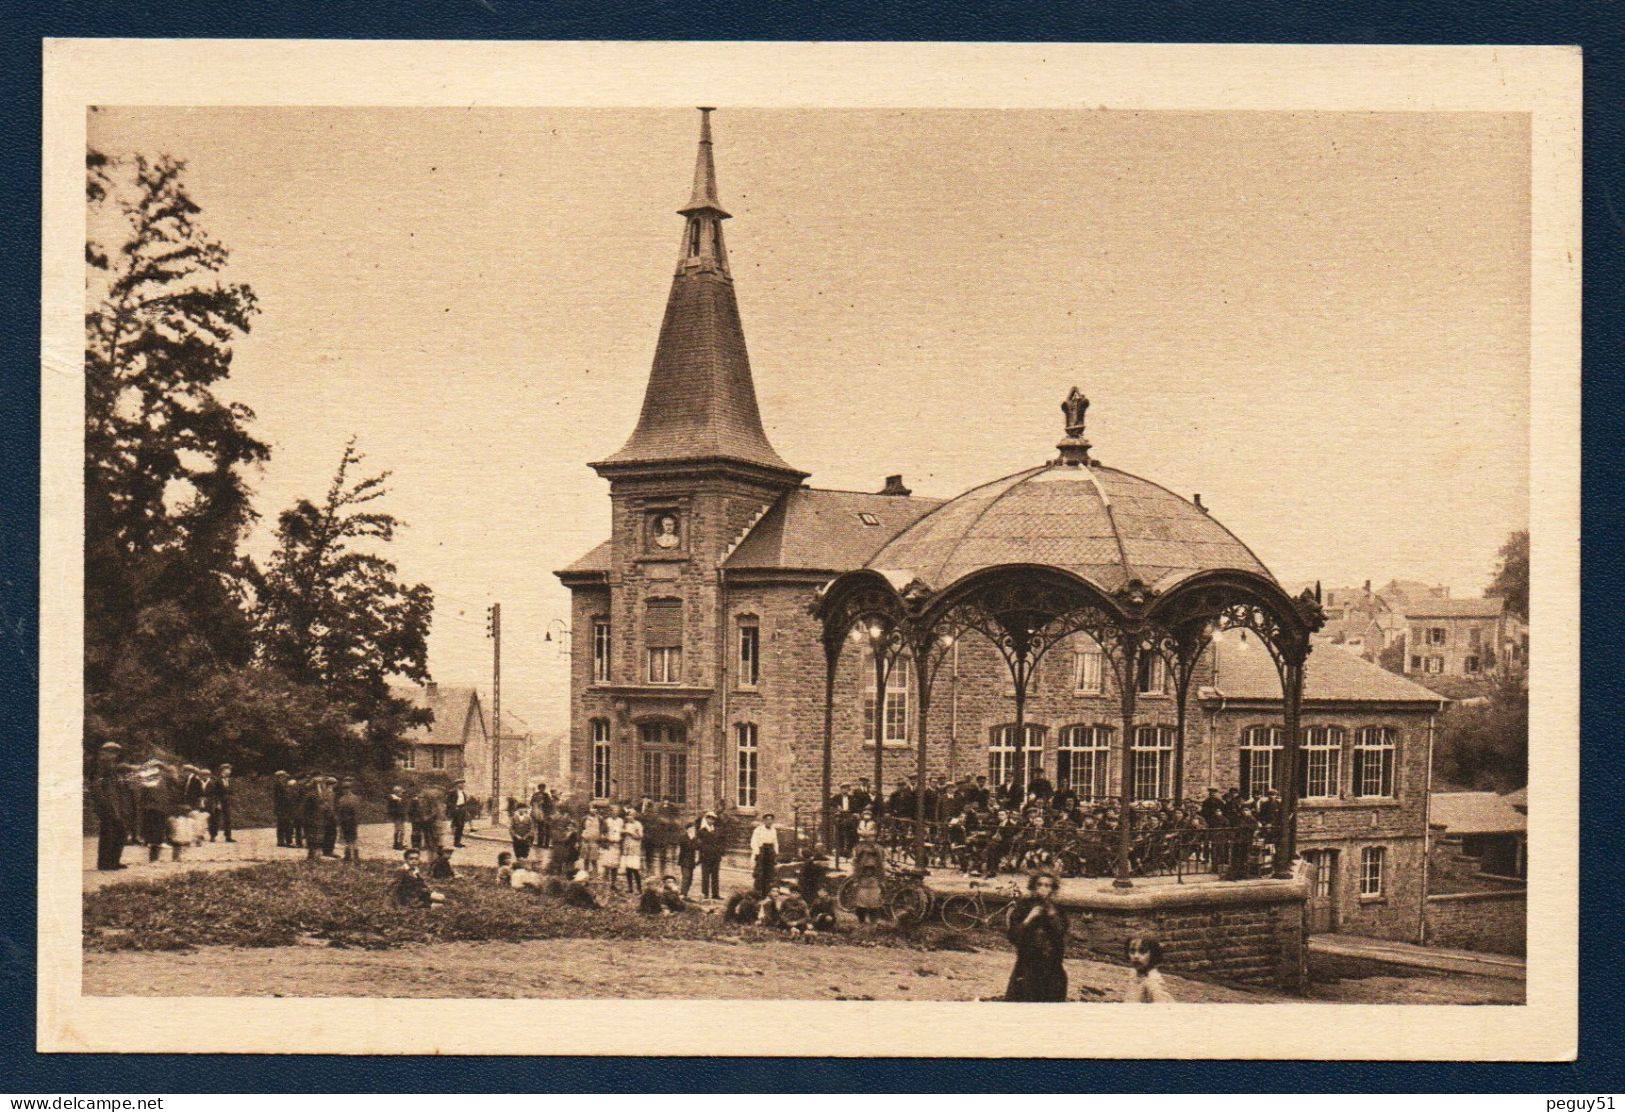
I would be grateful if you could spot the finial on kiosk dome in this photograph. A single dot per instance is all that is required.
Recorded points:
(1074, 447)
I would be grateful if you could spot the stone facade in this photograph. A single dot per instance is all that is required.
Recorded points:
(1496, 922)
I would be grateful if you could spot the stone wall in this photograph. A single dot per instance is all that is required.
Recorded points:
(1495, 922)
(1247, 932)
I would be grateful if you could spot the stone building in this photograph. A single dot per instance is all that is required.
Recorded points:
(698, 669)
(443, 746)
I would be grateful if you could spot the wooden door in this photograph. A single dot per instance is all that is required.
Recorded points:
(1323, 896)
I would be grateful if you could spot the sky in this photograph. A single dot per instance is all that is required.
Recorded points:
(1319, 321)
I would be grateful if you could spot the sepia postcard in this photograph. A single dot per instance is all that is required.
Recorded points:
(787, 549)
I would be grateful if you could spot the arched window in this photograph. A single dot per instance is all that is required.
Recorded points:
(1083, 761)
(1001, 754)
(1152, 776)
(1260, 765)
(663, 745)
(603, 784)
(1322, 775)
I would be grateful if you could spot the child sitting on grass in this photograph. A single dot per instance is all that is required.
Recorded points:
(665, 900)
(411, 889)
(579, 894)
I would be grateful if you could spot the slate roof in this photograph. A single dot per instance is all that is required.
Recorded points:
(1243, 669)
(596, 560)
(1476, 813)
(450, 705)
(821, 530)
(1455, 608)
(1103, 524)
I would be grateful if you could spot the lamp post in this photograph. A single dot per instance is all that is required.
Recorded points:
(875, 635)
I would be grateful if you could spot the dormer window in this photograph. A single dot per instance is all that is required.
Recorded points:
(868, 518)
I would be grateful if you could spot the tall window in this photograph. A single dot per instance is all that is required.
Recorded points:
(602, 785)
(897, 689)
(1374, 761)
(1151, 675)
(745, 748)
(1083, 761)
(1260, 760)
(1373, 863)
(663, 639)
(1436, 635)
(437, 758)
(1322, 775)
(1001, 754)
(409, 759)
(1153, 773)
(600, 650)
(1087, 674)
(750, 654)
(664, 748)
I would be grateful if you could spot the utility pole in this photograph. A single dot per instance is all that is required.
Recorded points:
(493, 626)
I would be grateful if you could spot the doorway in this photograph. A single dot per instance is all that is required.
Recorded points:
(1323, 896)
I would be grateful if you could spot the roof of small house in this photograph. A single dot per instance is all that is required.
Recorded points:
(1244, 669)
(1455, 608)
(1476, 813)
(449, 702)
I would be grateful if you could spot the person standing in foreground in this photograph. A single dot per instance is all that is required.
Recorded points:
(217, 797)
(112, 820)
(1146, 987)
(609, 846)
(1038, 931)
(521, 827)
(688, 855)
(396, 807)
(281, 808)
(764, 855)
(457, 811)
(632, 851)
(709, 849)
(347, 812)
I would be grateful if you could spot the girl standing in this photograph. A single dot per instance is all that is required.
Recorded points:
(609, 847)
(1038, 930)
(1147, 987)
(868, 867)
(632, 851)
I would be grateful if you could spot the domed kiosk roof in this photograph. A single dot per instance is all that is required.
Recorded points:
(1105, 525)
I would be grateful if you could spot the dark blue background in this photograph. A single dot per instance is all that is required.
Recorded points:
(1595, 26)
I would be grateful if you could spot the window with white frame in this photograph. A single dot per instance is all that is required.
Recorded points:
(897, 691)
(663, 749)
(1151, 674)
(602, 782)
(750, 654)
(1088, 671)
(1001, 753)
(1083, 761)
(746, 755)
(437, 758)
(600, 650)
(1374, 761)
(1373, 865)
(1322, 760)
(1152, 775)
(409, 758)
(1436, 635)
(1260, 765)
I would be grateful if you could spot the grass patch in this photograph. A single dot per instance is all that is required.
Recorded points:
(290, 903)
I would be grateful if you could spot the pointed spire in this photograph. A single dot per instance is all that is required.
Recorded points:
(704, 197)
(700, 403)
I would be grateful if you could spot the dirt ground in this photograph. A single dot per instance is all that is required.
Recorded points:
(587, 968)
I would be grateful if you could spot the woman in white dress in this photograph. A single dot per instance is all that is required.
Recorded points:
(609, 846)
(632, 851)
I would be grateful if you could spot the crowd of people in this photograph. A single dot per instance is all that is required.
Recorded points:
(157, 803)
(985, 830)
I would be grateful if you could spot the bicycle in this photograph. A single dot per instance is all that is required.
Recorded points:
(965, 911)
(902, 893)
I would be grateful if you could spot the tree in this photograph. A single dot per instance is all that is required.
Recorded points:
(334, 617)
(1393, 657)
(1485, 744)
(1511, 580)
(166, 501)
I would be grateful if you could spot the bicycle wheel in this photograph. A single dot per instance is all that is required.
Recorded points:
(848, 890)
(962, 912)
(909, 903)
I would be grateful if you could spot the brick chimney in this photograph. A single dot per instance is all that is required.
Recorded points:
(431, 689)
(894, 485)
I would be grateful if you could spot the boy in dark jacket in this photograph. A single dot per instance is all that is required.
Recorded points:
(347, 813)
